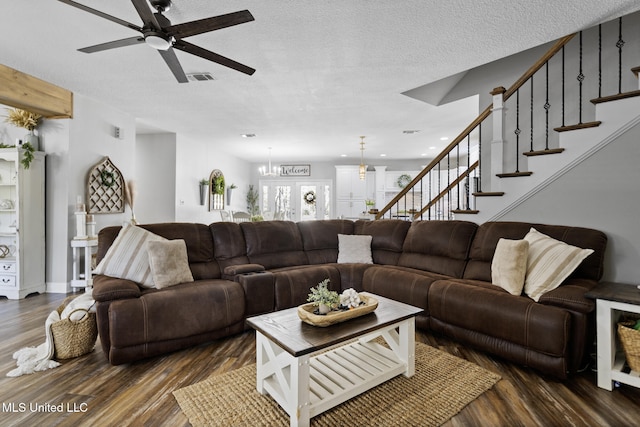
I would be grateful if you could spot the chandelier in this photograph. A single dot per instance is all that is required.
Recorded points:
(362, 171)
(269, 171)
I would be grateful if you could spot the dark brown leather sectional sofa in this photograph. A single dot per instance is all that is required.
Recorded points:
(444, 267)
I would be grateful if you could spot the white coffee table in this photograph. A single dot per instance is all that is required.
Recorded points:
(308, 369)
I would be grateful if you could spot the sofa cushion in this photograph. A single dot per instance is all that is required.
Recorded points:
(549, 263)
(354, 249)
(509, 265)
(229, 245)
(484, 246)
(320, 238)
(438, 246)
(387, 238)
(169, 263)
(274, 244)
(127, 258)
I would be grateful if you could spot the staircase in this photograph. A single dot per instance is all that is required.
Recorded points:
(573, 101)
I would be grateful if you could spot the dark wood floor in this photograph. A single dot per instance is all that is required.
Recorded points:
(140, 394)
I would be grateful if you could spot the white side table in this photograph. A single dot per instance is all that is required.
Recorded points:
(82, 277)
(612, 301)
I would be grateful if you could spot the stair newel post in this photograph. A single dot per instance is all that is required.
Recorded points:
(497, 143)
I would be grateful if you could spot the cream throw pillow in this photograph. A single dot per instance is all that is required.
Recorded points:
(509, 265)
(169, 262)
(550, 261)
(127, 257)
(354, 249)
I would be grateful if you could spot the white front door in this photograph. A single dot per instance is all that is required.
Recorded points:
(295, 200)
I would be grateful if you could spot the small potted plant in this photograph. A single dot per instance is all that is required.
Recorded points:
(230, 189)
(325, 299)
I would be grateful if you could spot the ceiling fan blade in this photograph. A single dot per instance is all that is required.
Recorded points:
(171, 59)
(102, 15)
(206, 54)
(208, 24)
(112, 45)
(146, 14)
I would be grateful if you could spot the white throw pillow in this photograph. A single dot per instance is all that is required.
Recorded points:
(509, 265)
(127, 258)
(169, 262)
(550, 261)
(354, 249)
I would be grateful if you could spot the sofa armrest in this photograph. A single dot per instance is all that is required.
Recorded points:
(259, 292)
(107, 288)
(571, 295)
(231, 271)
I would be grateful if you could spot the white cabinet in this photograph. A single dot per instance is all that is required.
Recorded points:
(351, 192)
(22, 219)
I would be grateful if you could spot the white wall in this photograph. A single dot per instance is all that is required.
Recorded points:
(155, 178)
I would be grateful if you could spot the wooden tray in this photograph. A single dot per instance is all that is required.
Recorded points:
(305, 312)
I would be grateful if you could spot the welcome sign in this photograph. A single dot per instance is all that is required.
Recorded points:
(295, 170)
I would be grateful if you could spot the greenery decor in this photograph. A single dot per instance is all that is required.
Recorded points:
(218, 184)
(27, 156)
(403, 180)
(252, 201)
(232, 186)
(322, 295)
(204, 181)
(22, 118)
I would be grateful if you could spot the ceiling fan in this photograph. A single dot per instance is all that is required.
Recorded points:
(158, 32)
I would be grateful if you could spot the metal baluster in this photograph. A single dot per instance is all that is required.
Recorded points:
(468, 166)
(531, 113)
(600, 61)
(448, 184)
(547, 106)
(458, 174)
(479, 189)
(439, 202)
(517, 131)
(580, 79)
(430, 193)
(619, 45)
(562, 86)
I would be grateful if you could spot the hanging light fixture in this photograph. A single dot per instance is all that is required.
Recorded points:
(362, 171)
(269, 171)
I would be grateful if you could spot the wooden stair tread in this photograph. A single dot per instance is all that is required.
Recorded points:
(488, 193)
(544, 152)
(623, 95)
(464, 211)
(513, 174)
(578, 126)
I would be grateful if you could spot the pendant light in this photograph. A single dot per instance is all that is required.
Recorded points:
(362, 171)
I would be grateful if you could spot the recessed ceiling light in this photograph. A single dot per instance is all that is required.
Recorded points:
(423, 154)
(444, 138)
(248, 135)
(343, 155)
(432, 148)
(383, 155)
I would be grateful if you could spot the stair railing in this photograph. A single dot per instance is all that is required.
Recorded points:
(438, 207)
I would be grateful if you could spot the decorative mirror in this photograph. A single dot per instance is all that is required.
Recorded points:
(216, 190)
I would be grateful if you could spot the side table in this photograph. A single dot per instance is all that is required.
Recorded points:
(82, 279)
(612, 301)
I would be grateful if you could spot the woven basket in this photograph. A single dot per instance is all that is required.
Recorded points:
(74, 338)
(630, 339)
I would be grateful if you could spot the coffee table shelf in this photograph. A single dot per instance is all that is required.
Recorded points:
(316, 377)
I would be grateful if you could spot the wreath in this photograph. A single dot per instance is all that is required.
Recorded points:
(403, 180)
(309, 198)
(107, 178)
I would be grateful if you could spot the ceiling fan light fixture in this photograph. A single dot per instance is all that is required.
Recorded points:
(157, 41)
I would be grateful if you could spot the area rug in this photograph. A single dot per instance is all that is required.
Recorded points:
(441, 387)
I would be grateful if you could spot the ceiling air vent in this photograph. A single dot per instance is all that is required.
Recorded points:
(200, 77)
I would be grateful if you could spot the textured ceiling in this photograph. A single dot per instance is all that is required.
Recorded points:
(327, 71)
